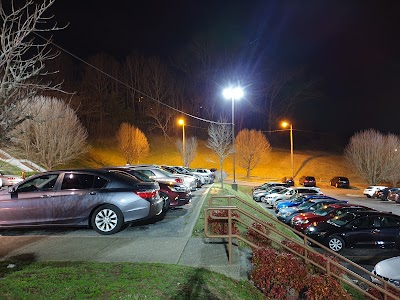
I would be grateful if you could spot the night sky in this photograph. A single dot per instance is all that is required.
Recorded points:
(352, 46)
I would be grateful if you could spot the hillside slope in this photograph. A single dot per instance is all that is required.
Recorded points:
(322, 165)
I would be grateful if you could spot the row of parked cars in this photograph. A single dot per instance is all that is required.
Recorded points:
(332, 222)
(339, 224)
(105, 199)
(383, 193)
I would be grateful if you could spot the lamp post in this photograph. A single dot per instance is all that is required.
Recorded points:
(233, 94)
(284, 125)
(182, 122)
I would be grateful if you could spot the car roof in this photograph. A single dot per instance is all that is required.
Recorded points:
(373, 213)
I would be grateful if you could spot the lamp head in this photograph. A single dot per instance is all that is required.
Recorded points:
(233, 93)
(181, 122)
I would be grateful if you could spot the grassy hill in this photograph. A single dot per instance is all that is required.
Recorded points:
(322, 165)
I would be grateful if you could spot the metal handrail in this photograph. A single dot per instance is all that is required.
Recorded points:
(305, 242)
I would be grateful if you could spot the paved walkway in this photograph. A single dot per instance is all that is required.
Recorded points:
(186, 250)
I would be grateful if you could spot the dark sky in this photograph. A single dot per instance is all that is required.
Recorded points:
(352, 46)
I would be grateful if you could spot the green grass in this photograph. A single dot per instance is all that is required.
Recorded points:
(92, 280)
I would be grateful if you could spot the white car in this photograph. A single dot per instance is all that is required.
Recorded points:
(8, 180)
(207, 174)
(372, 189)
(388, 269)
(289, 192)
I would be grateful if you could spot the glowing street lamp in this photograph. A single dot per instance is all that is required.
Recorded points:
(233, 94)
(284, 125)
(182, 122)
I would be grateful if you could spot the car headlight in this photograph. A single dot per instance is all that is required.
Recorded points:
(303, 221)
(286, 214)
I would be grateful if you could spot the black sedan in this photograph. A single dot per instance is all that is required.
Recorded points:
(102, 199)
(358, 229)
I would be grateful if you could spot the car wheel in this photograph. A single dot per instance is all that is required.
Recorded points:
(330, 183)
(107, 219)
(335, 243)
(262, 199)
(337, 185)
(368, 196)
(166, 202)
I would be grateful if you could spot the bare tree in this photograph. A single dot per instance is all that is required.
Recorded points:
(251, 147)
(220, 141)
(391, 170)
(374, 155)
(132, 142)
(54, 136)
(189, 152)
(23, 58)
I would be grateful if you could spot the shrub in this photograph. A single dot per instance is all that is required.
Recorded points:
(220, 226)
(276, 273)
(256, 238)
(324, 287)
(376, 293)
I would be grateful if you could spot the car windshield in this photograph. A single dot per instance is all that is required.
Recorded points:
(306, 204)
(342, 219)
(283, 191)
(323, 211)
(297, 198)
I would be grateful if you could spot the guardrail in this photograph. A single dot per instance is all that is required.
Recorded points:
(237, 214)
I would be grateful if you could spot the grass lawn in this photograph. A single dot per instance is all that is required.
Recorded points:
(91, 280)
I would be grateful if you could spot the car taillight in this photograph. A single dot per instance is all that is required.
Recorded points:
(147, 194)
(179, 180)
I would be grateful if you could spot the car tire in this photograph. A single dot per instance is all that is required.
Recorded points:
(330, 183)
(368, 196)
(262, 199)
(335, 243)
(337, 185)
(166, 202)
(107, 219)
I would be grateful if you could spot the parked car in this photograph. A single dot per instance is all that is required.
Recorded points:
(174, 194)
(288, 181)
(8, 180)
(267, 185)
(340, 182)
(273, 199)
(186, 175)
(207, 174)
(388, 270)
(155, 172)
(285, 215)
(102, 199)
(358, 229)
(259, 195)
(307, 181)
(300, 199)
(394, 195)
(372, 189)
(301, 221)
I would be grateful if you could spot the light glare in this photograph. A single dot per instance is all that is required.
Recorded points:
(233, 93)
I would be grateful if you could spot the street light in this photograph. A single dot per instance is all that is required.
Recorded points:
(233, 94)
(284, 125)
(182, 122)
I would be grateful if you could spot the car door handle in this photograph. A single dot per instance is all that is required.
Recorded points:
(92, 193)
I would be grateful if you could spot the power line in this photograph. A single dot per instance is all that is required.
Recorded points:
(126, 85)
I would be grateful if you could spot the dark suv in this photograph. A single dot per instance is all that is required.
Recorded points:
(307, 181)
(340, 182)
(288, 180)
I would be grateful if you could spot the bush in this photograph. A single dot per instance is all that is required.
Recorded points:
(220, 226)
(376, 293)
(256, 238)
(282, 275)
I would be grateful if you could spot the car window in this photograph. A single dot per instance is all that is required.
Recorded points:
(148, 173)
(41, 183)
(363, 222)
(99, 182)
(77, 181)
(389, 221)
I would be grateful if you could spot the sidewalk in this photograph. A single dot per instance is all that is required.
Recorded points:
(196, 252)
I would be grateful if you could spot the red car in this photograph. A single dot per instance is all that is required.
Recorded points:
(303, 220)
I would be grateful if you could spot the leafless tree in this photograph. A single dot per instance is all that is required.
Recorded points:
(189, 152)
(132, 142)
(373, 155)
(251, 147)
(391, 170)
(23, 57)
(220, 141)
(54, 136)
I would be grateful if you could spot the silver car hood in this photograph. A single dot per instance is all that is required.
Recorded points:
(389, 268)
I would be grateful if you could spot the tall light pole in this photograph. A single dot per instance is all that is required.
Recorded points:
(233, 94)
(182, 122)
(284, 125)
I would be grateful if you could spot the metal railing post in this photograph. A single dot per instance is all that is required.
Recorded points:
(230, 235)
